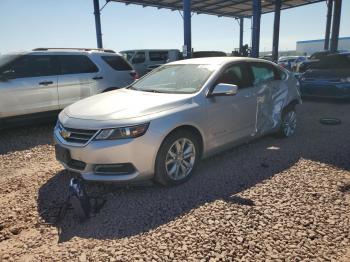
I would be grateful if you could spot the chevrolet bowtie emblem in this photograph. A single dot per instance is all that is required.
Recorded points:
(65, 134)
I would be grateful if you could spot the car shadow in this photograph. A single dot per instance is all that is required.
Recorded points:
(136, 209)
(25, 137)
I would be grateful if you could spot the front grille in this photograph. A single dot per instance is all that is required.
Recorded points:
(76, 136)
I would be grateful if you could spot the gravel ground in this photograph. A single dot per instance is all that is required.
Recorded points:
(273, 199)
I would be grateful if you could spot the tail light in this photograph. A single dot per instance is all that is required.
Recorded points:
(134, 74)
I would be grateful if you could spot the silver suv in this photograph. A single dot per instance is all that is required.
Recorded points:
(164, 123)
(41, 82)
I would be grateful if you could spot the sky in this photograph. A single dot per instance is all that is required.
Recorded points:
(26, 24)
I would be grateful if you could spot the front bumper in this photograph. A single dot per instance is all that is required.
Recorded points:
(87, 160)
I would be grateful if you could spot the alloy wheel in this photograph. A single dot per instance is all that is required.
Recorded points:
(180, 159)
(289, 123)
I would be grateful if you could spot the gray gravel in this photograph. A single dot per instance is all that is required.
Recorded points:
(273, 199)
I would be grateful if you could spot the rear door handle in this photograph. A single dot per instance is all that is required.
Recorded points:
(97, 78)
(46, 83)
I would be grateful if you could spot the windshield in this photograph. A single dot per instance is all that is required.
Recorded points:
(5, 59)
(182, 79)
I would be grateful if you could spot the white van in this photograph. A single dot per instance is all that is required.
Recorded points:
(145, 60)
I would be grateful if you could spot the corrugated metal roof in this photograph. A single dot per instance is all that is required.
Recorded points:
(227, 8)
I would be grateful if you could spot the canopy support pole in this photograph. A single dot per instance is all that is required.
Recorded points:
(276, 30)
(336, 25)
(256, 28)
(187, 28)
(328, 24)
(97, 14)
(241, 26)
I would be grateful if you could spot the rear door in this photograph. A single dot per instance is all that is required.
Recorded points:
(78, 78)
(31, 87)
(271, 92)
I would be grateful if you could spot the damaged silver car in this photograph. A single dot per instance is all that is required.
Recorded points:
(162, 125)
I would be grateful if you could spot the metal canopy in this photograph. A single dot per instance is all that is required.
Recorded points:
(227, 8)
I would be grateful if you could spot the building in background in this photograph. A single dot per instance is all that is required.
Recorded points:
(312, 46)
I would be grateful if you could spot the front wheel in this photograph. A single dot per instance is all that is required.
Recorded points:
(288, 123)
(177, 158)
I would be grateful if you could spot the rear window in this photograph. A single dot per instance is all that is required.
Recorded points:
(333, 62)
(117, 63)
(76, 64)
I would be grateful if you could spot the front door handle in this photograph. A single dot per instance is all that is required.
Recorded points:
(46, 83)
(97, 78)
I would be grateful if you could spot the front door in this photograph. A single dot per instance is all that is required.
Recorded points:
(31, 86)
(231, 118)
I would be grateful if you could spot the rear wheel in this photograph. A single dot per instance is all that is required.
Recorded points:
(177, 158)
(288, 123)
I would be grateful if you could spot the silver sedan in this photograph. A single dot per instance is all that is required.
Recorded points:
(162, 125)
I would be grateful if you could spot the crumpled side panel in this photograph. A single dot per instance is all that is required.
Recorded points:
(270, 102)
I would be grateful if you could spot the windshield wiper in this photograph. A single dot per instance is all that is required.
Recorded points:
(151, 91)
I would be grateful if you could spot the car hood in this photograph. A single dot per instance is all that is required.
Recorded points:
(124, 104)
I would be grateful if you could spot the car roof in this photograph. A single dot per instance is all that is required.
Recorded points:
(215, 60)
(141, 50)
(61, 51)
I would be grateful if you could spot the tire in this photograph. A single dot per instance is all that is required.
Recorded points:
(288, 123)
(174, 167)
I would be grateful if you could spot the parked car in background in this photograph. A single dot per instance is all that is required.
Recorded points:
(145, 60)
(41, 82)
(313, 59)
(291, 62)
(330, 77)
(267, 57)
(199, 54)
(164, 123)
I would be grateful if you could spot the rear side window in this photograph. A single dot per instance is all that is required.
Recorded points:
(139, 58)
(32, 66)
(76, 64)
(263, 72)
(235, 75)
(158, 56)
(117, 63)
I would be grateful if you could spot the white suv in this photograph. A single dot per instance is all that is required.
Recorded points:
(41, 82)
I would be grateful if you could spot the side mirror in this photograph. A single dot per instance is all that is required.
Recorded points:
(224, 90)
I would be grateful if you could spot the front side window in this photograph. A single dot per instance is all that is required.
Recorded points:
(31, 66)
(180, 79)
(117, 63)
(262, 73)
(158, 56)
(234, 75)
(76, 64)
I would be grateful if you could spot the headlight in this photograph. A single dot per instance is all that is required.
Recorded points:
(122, 132)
